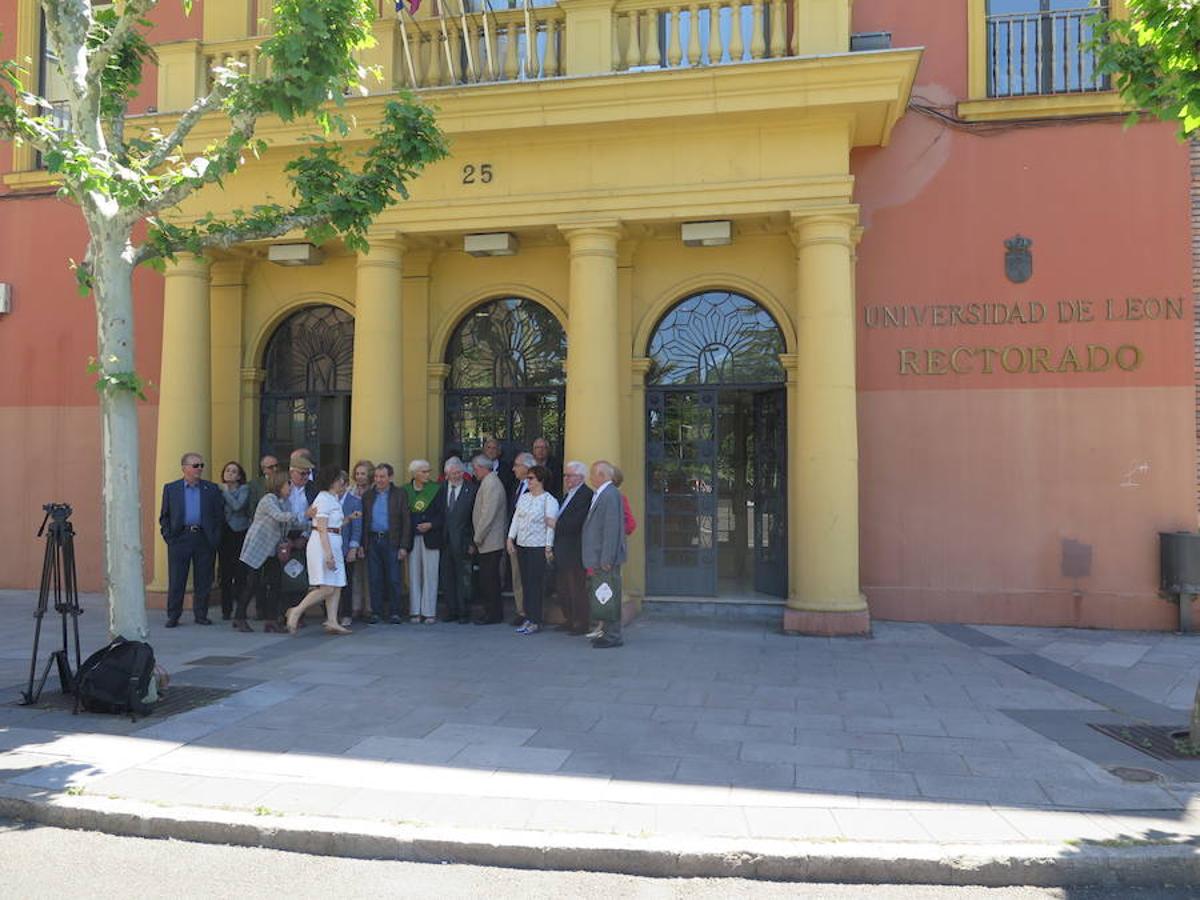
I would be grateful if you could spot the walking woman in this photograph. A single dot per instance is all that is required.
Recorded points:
(427, 507)
(326, 561)
(260, 563)
(236, 494)
(532, 535)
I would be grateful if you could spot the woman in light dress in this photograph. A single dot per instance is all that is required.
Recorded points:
(326, 561)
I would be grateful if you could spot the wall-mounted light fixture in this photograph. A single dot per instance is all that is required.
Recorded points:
(5, 299)
(499, 243)
(295, 255)
(707, 234)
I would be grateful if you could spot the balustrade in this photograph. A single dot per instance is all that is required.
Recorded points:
(466, 46)
(673, 35)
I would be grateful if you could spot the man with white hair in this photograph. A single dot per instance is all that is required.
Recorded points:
(458, 546)
(603, 554)
(520, 469)
(427, 507)
(570, 577)
(490, 524)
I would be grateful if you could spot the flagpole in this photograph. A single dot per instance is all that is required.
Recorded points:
(530, 40)
(462, 11)
(446, 40)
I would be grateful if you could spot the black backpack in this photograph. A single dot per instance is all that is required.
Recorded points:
(115, 678)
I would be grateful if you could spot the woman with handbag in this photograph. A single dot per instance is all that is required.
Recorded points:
(531, 535)
(326, 560)
(260, 553)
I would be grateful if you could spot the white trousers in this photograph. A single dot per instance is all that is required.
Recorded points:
(423, 579)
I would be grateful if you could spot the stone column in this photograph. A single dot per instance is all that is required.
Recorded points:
(185, 385)
(435, 378)
(227, 286)
(251, 416)
(377, 405)
(824, 595)
(594, 384)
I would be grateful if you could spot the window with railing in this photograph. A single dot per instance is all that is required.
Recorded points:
(1042, 47)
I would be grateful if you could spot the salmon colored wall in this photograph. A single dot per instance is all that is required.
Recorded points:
(971, 482)
(49, 412)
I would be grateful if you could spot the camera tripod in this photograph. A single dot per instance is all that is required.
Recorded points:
(58, 580)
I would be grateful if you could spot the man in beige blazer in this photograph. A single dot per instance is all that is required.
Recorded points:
(490, 520)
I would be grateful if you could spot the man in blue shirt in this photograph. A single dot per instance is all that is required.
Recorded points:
(388, 537)
(190, 522)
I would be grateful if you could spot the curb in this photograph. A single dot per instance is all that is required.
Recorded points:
(987, 865)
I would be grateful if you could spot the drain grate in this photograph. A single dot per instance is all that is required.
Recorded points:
(219, 660)
(177, 699)
(1135, 775)
(1158, 741)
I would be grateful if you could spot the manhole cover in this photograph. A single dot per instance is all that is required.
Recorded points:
(218, 660)
(1160, 741)
(1138, 776)
(177, 699)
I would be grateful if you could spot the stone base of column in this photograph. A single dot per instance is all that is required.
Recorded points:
(826, 624)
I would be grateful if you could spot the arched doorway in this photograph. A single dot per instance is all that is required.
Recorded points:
(506, 377)
(716, 448)
(306, 395)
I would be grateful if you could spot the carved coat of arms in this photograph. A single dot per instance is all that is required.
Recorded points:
(1018, 259)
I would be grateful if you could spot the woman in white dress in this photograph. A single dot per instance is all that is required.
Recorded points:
(326, 562)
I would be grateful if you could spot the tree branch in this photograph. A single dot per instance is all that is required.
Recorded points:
(231, 236)
(131, 15)
(187, 122)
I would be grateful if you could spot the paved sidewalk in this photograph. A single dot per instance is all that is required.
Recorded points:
(922, 735)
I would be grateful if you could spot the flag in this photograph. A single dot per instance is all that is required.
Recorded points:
(413, 6)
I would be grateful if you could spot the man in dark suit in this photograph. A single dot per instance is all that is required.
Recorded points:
(458, 547)
(568, 549)
(604, 546)
(190, 522)
(388, 536)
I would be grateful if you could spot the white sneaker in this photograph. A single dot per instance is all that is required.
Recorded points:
(595, 632)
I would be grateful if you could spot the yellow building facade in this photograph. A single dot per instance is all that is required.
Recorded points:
(586, 150)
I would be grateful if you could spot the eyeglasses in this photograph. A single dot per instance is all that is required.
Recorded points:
(196, 465)
(272, 466)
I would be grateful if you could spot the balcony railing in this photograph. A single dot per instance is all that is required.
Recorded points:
(1043, 53)
(485, 42)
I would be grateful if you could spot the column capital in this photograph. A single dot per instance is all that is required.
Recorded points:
(791, 365)
(188, 265)
(253, 376)
(581, 235)
(639, 367)
(830, 225)
(384, 248)
(437, 372)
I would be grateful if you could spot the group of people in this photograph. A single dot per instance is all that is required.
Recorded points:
(294, 539)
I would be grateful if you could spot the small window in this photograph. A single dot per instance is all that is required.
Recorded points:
(1040, 47)
(51, 83)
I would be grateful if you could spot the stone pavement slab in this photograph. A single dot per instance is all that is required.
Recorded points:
(694, 729)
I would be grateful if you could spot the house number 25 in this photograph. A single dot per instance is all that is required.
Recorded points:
(482, 174)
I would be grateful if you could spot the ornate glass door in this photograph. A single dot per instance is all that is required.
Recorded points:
(681, 496)
(770, 493)
(506, 378)
(714, 367)
(306, 395)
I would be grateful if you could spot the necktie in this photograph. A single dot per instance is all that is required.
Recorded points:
(453, 497)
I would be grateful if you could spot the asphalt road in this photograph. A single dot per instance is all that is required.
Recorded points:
(38, 862)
